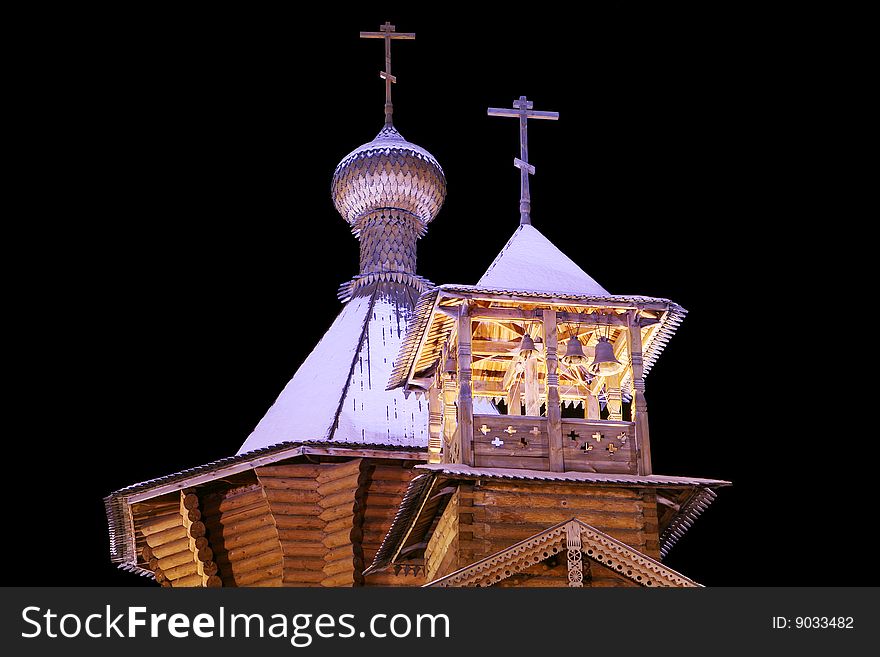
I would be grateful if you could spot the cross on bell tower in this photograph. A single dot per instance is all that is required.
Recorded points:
(522, 109)
(387, 32)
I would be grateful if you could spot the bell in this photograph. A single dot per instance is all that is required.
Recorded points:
(604, 363)
(574, 353)
(526, 347)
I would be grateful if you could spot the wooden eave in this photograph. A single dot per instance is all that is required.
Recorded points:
(123, 549)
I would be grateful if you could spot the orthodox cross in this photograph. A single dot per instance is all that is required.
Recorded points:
(387, 32)
(522, 109)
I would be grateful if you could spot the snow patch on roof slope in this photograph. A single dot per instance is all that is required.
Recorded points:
(529, 262)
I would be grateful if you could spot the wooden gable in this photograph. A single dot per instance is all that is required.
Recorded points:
(582, 547)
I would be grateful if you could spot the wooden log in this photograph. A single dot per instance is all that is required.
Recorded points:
(300, 535)
(598, 519)
(293, 549)
(338, 566)
(340, 523)
(294, 470)
(197, 529)
(341, 537)
(298, 522)
(336, 499)
(292, 496)
(393, 488)
(254, 522)
(166, 583)
(245, 551)
(153, 563)
(190, 501)
(193, 515)
(272, 582)
(174, 560)
(194, 580)
(288, 483)
(159, 575)
(224, 519)
(259, 561)
(342, 552)
(390, 579)
(247, 579)
(166, 536)
(332, 472)
(342, 510)
(182, 570)
(250, 537)
(304, 563)
(393, 473)
(161, 523)
(503, 499)
(349, 483)
(213, 582)
(147, 552)
(295, 575)
(233, 501)
(205, 554)
(210, 568)
(339, 579)
(284, 508)
(172, 547)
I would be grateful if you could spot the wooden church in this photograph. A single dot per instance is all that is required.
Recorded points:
(452, 435)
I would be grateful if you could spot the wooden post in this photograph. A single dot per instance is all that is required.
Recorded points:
(514, 405)
(532, 388)
(465, 394)
(639, 406)
(435, 423)
(554, 410)
(613, 397)
(591, 407)
(449, 417)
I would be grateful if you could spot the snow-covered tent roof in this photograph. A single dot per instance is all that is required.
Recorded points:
(338, 393)
(529, 262)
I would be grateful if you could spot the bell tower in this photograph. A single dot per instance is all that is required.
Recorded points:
(564, 470)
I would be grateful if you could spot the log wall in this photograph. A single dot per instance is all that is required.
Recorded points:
(243, 537)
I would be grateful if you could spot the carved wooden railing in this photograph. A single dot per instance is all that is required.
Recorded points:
(516, 441)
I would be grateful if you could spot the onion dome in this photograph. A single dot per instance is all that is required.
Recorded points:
(388, 173)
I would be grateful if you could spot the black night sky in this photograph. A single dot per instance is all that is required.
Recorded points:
(195, 253)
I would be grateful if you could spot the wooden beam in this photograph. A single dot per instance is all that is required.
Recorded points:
(517, 314)
(493, 347)
(465, 397)
(591, 319)
(554, 411)
(555, 301)
(639, 406)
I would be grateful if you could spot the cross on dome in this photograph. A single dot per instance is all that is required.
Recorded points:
(387, 32)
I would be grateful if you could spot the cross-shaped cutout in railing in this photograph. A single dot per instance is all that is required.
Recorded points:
(622, 437)
(497, 442)
(535, 431)
(484, 429)
(574, 435)
(587, 448)
(598, 437)
(510, 431)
